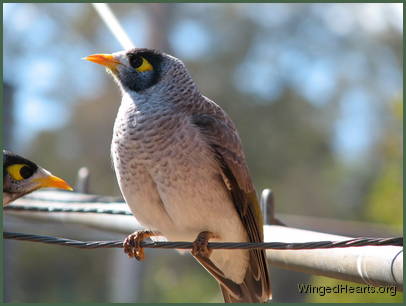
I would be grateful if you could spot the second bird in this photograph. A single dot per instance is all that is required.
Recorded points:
(182, 171)
(22, 176)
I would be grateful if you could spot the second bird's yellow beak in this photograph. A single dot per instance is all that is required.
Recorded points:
(52, 181)
(107, 60)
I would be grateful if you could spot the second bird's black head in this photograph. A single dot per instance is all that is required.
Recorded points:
(17, 166)
(22, 176)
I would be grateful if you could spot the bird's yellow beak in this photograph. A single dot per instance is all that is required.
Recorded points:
(52, 181)
(107, 60)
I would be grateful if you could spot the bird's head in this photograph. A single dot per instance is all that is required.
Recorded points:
(140, 69)
(22, 176)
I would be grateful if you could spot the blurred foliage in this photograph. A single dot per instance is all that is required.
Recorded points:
(299, 80)
(165, 283)
(384, 204)
(63, 278)
(385, 200)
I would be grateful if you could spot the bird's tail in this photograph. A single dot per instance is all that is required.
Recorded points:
(255, 288)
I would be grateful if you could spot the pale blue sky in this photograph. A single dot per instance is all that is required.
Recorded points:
(39, 107)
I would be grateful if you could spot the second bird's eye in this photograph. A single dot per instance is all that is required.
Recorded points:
(139, 63)
(26, 172)
(20, 171)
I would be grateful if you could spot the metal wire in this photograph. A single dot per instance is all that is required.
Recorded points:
(355, 242)
(397, 241)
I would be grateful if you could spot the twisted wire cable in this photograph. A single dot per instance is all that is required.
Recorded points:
(355, 242)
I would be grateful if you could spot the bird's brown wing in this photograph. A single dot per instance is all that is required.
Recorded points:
(222, 136)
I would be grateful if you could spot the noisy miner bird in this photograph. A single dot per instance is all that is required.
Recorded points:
(182, 171)
(22, 176)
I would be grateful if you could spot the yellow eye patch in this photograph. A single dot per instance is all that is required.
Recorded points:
(144, 65)
(19, 171)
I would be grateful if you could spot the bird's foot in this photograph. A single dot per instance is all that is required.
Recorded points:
(200, 248)
(132, 244)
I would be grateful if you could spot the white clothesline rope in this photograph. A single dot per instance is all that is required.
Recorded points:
(113, 24)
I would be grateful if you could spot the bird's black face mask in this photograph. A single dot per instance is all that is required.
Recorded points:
(136, 70)
(144, 70)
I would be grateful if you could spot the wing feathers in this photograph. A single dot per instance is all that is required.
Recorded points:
(222, 136)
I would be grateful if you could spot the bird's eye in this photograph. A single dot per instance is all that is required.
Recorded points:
(140, 63)
(20, 171)
(26, 172)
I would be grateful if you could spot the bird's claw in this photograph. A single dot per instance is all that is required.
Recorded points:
(200, 248)
(132, 244)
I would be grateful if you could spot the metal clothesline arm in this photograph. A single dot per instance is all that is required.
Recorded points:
(374, 265)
